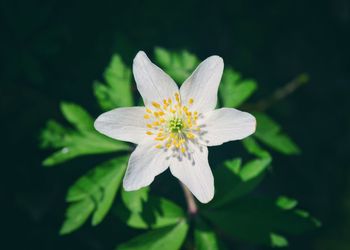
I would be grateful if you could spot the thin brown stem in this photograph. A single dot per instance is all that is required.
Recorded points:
(278, 94)
(191, 203)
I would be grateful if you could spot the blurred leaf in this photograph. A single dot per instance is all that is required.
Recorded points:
(278, 240)
(269, 132)
(179, 65)
(236, 181)
(53, 135)
(117, 90)
(259, 221)
(234, 90)
(170, 238)
(143, 211)
(254, 148)
(93, 193)
(77, 116)
(205, 238)
(73, 143)
(286, 203)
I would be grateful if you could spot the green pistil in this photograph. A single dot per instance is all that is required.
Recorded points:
(176, 125)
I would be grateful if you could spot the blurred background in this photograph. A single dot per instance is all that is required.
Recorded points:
(53, 50)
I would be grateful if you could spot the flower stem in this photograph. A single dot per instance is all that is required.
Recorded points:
(191, 203)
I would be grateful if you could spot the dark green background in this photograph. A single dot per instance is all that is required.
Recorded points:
(53, 50)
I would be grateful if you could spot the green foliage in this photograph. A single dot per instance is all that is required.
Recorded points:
(205, 238)
(237, 181)
(234, 90)
(234, 212)
(179, 65)
(260, 221)
(139, 210)
(72, 143)
(269, 132)
(93, 194)
(117, 90)
(170, 238)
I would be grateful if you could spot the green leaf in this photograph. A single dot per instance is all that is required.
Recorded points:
(77, 144)
(259, 221)
(77, 116)
(93, 194)
(286, 203)
(142, 211)
(205, 238)
(170, 238)
(117, 90)
(254, 148)
(179, 65)
(278, 240)
(234, 90)
(236, 181)
(269, 132)
(76, 215)
(54, 135)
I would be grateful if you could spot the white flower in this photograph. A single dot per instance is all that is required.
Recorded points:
(176, 126)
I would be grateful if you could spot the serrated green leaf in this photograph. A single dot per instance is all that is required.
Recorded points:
(205, 238)
(148, 211)
(53, 135)
(170, 238)
(77, 116)
(233, 90)
(117, 91)
(286, 203)
(93, 194)
(76, 215)
(179, 65)
(269, 132)
(255, 219)
(236, 181)
(75, 144)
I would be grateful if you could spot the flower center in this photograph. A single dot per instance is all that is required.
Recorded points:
(172, 123)
(176, 125)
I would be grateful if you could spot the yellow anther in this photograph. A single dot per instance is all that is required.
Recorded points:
(159, 146)
(149, 125)
(149, 133)
(161, 113)
(160, 138)
(165, 102)
(177, 97)
(183, 150)
(156, 123)
(172, 111)
(149, 111)
(146, 116)
(169, 101)
(162, 120)
(190, 135)
(190, 101)
(156, 105)
(160, 134)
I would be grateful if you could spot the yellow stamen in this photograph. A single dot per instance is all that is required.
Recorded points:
(156, 104)
(146, 116)
(190, 101)
(149, 133)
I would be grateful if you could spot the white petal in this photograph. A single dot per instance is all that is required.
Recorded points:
(195, 173)
(226, 124)
(125, 124)
(202, 86)
(153, 83)
(145, 163)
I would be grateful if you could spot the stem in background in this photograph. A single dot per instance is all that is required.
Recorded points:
(279, 94)
(191, 203)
